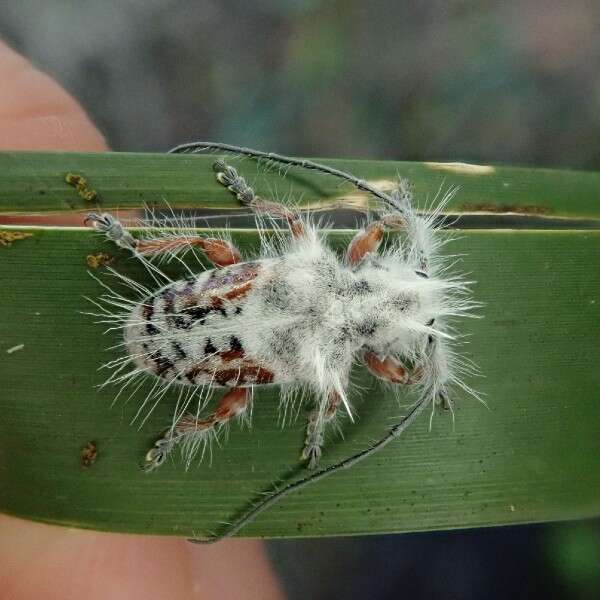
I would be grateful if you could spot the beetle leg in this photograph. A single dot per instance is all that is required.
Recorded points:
(365, 242)
(236, 184)
(368, 240)
(391, 370)
(192, 431)
(317, 421)
(220, 252)
(233, 404)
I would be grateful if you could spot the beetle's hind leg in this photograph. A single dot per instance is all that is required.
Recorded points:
(192, 432)
(236, 184)
(220, 252)
(113, 230)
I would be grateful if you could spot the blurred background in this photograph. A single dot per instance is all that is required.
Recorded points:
(432, 79)
(501, 82)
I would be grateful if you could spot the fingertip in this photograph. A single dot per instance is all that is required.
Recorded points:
(37, 114)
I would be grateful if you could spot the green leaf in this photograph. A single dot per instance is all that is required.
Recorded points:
(34, 182)
(534, 455)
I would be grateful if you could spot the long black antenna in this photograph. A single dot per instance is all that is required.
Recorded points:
(361, 184)
(277, 494)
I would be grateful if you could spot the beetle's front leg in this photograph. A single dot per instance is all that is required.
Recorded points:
(391, 370)
(368, 240)
(365, 242)
(432, 371)
(220, 252)
(419, 229)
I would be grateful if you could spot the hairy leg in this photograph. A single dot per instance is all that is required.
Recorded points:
(315, 429)
(433, 371)
(220, 252)
(391, 370)
(365, 242)
(420, 230)
(192, 432)
(236, 184)
(368, 240)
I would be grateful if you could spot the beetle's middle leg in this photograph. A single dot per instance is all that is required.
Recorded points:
(191, 431)
(317, 421)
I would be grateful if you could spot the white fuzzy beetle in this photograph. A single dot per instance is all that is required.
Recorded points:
(298, 316)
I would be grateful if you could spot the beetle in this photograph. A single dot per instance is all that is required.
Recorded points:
(297, 316)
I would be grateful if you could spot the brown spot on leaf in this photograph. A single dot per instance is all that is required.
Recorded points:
(81, 185)
(89, 454)
(8, 237)
(100, 259)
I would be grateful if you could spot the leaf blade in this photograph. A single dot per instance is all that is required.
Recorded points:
(35, 182)
(538, 444)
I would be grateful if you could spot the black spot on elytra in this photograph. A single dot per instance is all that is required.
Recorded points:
(366, 328)
(430, 322)
(151, 329)
(168, 297)
(198, 313)
(209, 348)
(161, 363)
(422, 274)
(235, 343)
(147, 314)
(238, 310)
(180, 322)
(178, 350)
(148, 309)
(361, 287)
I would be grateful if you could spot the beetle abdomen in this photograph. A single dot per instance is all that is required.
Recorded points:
(192, 330)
